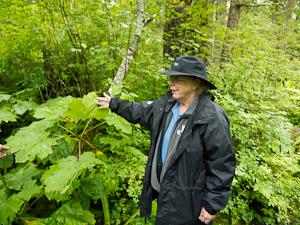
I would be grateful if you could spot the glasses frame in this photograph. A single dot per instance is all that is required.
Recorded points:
(176, 78)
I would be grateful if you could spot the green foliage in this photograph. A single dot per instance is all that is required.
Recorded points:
(17, 179)
(5, 109)
(66, 171)
(62, 52)
(257, 90)
(85, 108)
(119, 122)
(44, 166)
(9, 207)
(29, 143)
(69, 213)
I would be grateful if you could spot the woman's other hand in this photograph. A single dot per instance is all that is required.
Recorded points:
(104, 101)
(1, 153)
(205, 217)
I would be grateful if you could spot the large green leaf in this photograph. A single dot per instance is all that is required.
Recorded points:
(85, 108)
(42, 124)
(64, 195)
(70, 213)
(5, 106)
(29, 143)
(4, 97)
(59, 101)
(88, 160)
(16, 180)
(30, 189)
(8, 207)
(96, 186)
(119, 122)
(8, 160)
(22, 106)
(49, 113)
(61, 175)
(77, 110)
(5, 114)
(53, 109)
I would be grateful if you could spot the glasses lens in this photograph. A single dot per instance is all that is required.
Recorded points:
(176, 78)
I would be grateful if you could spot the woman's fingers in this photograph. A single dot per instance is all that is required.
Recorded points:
(104, 101)
(3, 147)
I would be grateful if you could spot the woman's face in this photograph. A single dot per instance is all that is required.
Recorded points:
(183, 87)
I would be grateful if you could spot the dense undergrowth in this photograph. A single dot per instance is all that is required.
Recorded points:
(50, 179)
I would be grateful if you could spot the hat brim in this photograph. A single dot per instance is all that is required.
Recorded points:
(173, 72)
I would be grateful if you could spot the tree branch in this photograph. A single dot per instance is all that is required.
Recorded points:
(258, 5)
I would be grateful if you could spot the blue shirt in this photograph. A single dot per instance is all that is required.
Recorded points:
(167, 135)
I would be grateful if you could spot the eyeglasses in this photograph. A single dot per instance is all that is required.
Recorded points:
(176, 78)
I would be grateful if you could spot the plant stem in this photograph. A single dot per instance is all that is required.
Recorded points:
(132, 217)
(66, 130)
(79, 148)
(35, 201)
(85, 128)
(94, 127)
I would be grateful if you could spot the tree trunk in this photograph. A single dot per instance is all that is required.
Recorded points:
(183, 28)
(233, 18)
(290, 12)
(221, 18)
(131, 51)
(50, 74)
(234, 14)
(171, 31)
(221, 15)
(275, 12)
(288, 20)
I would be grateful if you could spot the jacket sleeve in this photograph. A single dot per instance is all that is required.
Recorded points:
(133, 112)
(221, 162)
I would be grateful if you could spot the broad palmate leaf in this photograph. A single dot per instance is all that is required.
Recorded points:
(119, 122)
(30, 189)
(29, 143)
(4, 97)
(5, 114)
(53, 109)
(22, 106)
(86, 108)
(7, 160)
(97, 186)
(70, 213)
(61, 175)
(16, 180)
(8, 207)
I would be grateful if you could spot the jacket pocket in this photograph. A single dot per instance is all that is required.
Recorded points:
(186, 207)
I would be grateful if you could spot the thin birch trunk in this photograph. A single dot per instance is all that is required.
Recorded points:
(120, 76)
(131, 51)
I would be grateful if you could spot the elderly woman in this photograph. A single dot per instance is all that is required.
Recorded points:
(191, 160)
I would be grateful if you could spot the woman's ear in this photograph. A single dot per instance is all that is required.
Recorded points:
(196, 84)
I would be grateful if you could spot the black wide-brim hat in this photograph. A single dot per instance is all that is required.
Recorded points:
(189, 66)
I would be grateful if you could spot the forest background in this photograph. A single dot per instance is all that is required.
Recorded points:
(72, 163)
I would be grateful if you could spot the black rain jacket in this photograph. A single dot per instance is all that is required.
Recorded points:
(202, 169)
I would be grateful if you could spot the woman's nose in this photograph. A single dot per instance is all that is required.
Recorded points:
(171, 83)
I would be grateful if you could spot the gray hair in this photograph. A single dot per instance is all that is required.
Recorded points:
(202, 87)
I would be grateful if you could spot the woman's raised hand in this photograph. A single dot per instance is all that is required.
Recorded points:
(104, 101)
